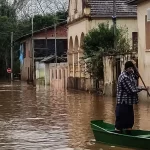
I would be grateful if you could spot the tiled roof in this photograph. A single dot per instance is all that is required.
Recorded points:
(104, 8)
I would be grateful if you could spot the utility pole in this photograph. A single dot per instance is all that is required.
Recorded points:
(32, 46)
(114, 23)
(33, 63)
(12, 56)
(55, 40)
(115, 45)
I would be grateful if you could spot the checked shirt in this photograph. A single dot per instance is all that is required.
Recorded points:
(127, 90)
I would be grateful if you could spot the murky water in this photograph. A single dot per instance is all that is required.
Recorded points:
(52, 119)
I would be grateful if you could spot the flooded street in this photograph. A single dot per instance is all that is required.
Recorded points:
(49, 119)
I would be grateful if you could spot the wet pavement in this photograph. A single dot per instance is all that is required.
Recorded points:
(42, 118)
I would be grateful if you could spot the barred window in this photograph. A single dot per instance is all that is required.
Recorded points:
(147, 33)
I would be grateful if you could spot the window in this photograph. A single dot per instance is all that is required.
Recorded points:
(147, 33)
(135, 40)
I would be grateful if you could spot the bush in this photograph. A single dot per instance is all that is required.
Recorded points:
(99, 42)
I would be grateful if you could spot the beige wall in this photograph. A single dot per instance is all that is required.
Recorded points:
(58, 76)
(108, 63)
(75, 31)
(143, 54)
(79, 28)
(128, 23)
(75, 14)
(84, 26)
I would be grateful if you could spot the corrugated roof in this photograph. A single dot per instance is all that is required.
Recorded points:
(104, 8)
(135, 2)
(51, 57)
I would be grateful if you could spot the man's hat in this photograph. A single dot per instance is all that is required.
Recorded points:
(129, 64)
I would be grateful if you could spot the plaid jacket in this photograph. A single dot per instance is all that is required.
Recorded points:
(127, 90)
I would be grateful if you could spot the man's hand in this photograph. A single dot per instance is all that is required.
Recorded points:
(134, 62)
(144, 89)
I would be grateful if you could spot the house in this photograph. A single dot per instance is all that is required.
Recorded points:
(85, 15)
(44, 49)
(143, 19)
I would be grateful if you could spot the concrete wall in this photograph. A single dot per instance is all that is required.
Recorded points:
(108, 75)
(58, 75)
(143, 53)
(82, 83)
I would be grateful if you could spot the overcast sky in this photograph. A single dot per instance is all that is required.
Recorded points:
(28, 7)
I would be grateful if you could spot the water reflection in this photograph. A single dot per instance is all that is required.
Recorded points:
(42, 118)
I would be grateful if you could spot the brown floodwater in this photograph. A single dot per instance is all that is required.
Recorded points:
(45, 118)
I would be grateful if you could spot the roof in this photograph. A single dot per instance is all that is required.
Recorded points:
(38, 58)
(104, 8)
(52, 57)
(38, 31)
(135, 2)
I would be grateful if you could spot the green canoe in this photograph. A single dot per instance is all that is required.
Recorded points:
(104, 133)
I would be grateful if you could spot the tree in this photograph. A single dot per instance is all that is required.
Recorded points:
(7, 25)
(99, 42)
(40, 21)
(16, 17)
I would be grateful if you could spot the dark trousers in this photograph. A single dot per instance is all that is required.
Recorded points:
(124, 116)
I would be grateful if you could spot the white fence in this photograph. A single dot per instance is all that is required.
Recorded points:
(54, 75)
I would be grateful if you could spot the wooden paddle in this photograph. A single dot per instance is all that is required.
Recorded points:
(142, 81)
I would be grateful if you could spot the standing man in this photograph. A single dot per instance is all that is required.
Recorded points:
(127, 96)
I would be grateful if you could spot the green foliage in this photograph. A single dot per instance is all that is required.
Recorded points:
(9, 23)
(99, 42)
(101, 37)
(95, 65)
(6, 9)
(40, 21)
